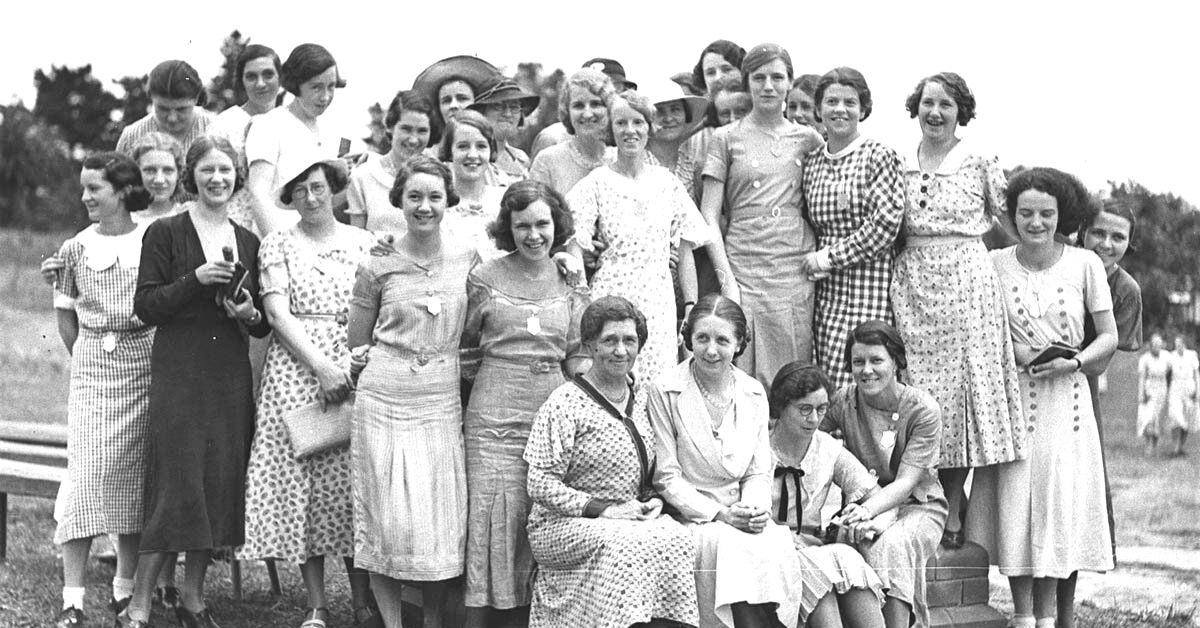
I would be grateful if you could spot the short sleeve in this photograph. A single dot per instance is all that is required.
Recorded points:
(716, 163)
(687, 223)
(1096, 293)
(478, 296)
(66, 290)
(584, 201)
(272, 265)
(261, 141)
(995, 186)
(1127, 309)
(356, 197)
(367, 288)
(922, 448)
(852, 477)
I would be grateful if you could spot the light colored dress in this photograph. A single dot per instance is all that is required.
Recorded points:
(855, 201)
(1044, 516)
(367, 194)
(950, 311)
(562, 166)
(408, 417)
(797, 496)
(471, 223)
(766, 237)
(700, 472)
(526, 329)
(1154, 377)
(297, 509)
(233, 124)
(108, 428)
(882, 442)
(641, 219)
(280, 139)
(1181, 403)
(597, 572)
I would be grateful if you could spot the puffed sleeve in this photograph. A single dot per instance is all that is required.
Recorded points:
(854, 479)
(716, 162)
(160, 296)
(669, 480)
(548, 451)
(884, 199)
(356, 197)
(273, 265)
(368, 289)
(1095, 292)
(65, 288)
(584, 201)
(995, 186)
(687, 223)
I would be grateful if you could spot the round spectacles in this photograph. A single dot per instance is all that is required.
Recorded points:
(806, 409)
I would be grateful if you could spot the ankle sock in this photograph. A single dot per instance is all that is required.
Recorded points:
(73, 597)
(122, 588)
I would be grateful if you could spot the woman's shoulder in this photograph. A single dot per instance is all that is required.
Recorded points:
(916, 400)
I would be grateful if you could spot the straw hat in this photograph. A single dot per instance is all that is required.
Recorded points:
(474, 71)
(664, 91)
(502, 90)
(338, 165)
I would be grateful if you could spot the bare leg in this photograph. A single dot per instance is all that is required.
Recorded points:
(149, 564)
(1066, 601)
(387, 593)
(191, 596)
(747, 615)
(952, 482)
(896, 613)
(75, 555)
(826, 614)
(313, 573)
(166, 576)
(860, 609)
(519, 618)
(360, 585)
(478, 616)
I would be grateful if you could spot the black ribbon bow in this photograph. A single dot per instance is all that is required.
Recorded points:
(796, 473)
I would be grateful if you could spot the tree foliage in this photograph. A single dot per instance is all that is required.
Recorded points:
(225, 90)
(39, 188)
(76, 103)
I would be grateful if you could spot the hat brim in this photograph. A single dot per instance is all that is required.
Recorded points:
(337, 164)
(529, 102)
(475, 71)
(697, 106)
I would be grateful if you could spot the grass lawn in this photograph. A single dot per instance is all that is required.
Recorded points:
(34, 388)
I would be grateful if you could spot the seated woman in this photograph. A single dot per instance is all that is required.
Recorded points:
(606, 555)
(710, 423)
(840, 588)
(895, 430)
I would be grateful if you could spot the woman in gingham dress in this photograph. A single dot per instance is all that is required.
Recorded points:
(854, 197)
(110, 379)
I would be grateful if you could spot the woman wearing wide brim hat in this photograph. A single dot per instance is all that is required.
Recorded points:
(506, 105)
(677, 118)
(453, 83)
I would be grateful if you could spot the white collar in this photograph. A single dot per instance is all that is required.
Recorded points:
(950, 163)
(103, 251)
(850, 148)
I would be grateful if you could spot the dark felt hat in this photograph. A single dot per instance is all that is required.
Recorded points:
(474, 71)
(613, 69)
(502, 90)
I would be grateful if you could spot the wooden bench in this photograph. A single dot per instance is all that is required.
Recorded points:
(33, 462)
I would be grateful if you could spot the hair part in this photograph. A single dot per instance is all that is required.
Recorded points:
(713, 304)
(611, 309)
(761, 55)
(422, 164)
(202, 146)
(956, 88)
(796, 380)
(177, 80)
(305, 62)
(517, 198)
(122, 172)
(880, 334)
(728, 50)
(471, 118)
(807, 83)
(850, 78)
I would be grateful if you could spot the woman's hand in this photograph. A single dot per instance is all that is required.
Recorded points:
(870, 529)
(732, 291)
(745, 518)
(801, 540)
(358, 361)
(810, 267)
(634, 510)
(1053, 368)
(211, 273)
(335, 383)
(591, 259)
(243, 309)
(570, 267)
(50, 267)
(384, 246)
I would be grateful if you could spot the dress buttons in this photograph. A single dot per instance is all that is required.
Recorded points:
(757, 184)
(922, 203)
(429, 273)
(1076, 428)
(1033, 394)
(1030, 428)
(924, 189)
(799, 162)
(1033, 406)
(754, 163)
(924, 176)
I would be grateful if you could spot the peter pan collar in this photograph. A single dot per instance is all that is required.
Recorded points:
(953, 161)
(850, 148)
(101, 252)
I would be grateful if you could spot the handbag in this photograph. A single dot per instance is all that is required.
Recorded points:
(313, 429)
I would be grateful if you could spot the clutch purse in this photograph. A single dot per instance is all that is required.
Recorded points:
(1055, 350)
(313, 430)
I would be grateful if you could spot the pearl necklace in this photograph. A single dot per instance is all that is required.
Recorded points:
(715, 400)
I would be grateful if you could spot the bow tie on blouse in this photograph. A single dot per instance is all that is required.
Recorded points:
(796, 473)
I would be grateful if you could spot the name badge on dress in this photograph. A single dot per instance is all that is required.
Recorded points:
(843, 199)
(887, 441)
(533, 324)
(433, 305)
(109, 343)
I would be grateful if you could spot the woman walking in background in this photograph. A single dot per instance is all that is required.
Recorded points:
(107, 422)
(1185, 382)
(1154, 384)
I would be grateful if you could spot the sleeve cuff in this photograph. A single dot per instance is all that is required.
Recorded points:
(824, 260)
(594, 507)
(63, 302)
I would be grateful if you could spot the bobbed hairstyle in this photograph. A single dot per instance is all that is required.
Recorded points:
(518, 197)
(761, 55)
(151, 142)
(1126, 207)
(250, 53)
(595, 82)
(408, 100)
(713, 304)
(335, 177)
(850, 78)
(725, 85)
(638, 103)
(732, 53)
(201, 147)
(880, 334)
(794, 381)
(122, 172)
(1075, 203)
(611, 309)
(422, 164)
(807, 83)
(177, 80)
(955, 87)
(305, 62)
(471, 118)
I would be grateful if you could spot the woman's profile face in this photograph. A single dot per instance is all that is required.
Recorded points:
(453, 97)
(99, 197)
(615, 348)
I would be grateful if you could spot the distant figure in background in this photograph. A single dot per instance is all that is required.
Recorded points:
(730, 103)
(1185, 382)
(507, 105)
(1154, 383)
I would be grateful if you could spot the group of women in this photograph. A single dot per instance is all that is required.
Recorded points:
(824, 283)
(1168, 382)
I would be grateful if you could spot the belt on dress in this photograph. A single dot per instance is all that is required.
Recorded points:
(764, 211)
(939, 240)
(341, 318)
(421, 356)
(534, 366)
(110, 337)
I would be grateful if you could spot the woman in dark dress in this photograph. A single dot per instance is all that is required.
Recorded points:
(201, 405)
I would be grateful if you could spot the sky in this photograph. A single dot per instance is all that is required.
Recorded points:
(1100, 89)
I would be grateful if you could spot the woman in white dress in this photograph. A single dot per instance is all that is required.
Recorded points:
(1154, 384)
(1185, 382)
(412, 127)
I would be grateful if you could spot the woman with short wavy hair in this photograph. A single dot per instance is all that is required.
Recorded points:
(583, 110)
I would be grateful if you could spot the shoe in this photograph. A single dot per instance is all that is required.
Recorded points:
(188, 619)
(69, 618)
(953, 540)
(366, 617)
(315, 618)
(124, 621)
(167, 597)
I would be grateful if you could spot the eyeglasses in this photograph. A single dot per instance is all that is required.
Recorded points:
(508, 106)
(806, 410)
(301, 192)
